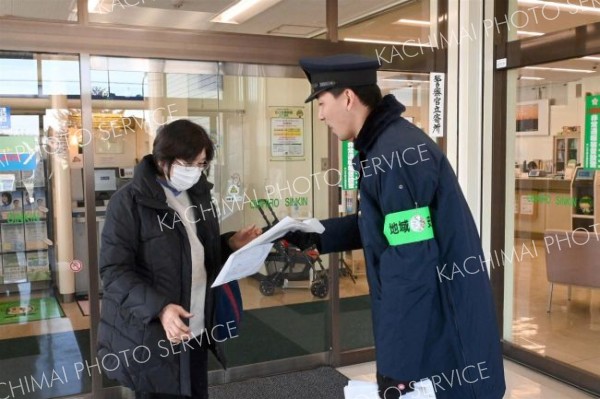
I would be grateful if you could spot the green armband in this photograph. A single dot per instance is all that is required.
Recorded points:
(409, 226)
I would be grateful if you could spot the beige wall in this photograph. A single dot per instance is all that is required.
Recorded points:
(565, 110)
(243, 140)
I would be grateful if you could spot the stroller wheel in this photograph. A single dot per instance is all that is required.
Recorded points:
(267, 288)
(279, 280)
(320, 289)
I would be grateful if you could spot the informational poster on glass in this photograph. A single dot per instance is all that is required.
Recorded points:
(7, 182)
(13, 237)
(23, 203)
(38, 266)
(34, 205)
(35, 236)
(10, 202)
(287, 131)
(14, 267)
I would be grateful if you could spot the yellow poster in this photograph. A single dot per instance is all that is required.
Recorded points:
(287, 131)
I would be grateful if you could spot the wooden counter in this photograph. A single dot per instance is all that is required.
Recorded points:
(543, 184)
(542, 204)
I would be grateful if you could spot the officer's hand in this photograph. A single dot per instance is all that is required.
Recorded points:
(392, 389)
(303, 240)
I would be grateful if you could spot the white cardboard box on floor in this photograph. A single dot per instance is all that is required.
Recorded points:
(368, 390)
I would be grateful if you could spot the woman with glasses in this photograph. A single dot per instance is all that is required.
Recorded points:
(161, 251)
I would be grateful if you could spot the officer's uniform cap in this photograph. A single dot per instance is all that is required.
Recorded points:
(342, 70)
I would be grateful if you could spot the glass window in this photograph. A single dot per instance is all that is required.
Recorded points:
(18, 77)
(553, 302)
(62, 10)
(407, 23)
(529, 18)
(267, 150)
(60, 77)
(43, 264)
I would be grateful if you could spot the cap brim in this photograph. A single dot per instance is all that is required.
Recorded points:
(315, 94)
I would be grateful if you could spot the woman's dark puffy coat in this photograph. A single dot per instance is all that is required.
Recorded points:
(145, 264)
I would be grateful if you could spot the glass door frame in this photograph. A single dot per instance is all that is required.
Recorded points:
(86, 39)
(569, 43)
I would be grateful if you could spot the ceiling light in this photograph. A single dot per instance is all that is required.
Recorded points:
(412, 43)
(563, 6)
(591, 58)
(530, 78)
(405, 21)
(526, 33)
(561, 69)
(243, 10)
(406, 80)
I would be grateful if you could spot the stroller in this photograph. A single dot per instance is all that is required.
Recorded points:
(286, 263)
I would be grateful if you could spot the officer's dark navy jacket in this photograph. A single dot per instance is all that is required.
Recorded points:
(429, 321)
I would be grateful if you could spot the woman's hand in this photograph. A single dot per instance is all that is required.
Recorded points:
(174, 327)
(244, 236)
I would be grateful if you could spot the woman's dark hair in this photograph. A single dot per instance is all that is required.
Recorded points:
(181, 139)
(369, 95)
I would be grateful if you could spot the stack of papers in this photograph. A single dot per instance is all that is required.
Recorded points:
(248, 260)
(368, 390)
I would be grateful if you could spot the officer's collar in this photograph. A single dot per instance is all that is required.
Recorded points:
(387, 111)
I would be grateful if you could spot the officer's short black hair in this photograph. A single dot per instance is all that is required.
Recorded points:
(369, 95)
(181, 139)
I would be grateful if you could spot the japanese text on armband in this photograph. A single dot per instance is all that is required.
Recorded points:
(409, 226)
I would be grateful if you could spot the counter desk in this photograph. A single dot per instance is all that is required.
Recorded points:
(542, 204)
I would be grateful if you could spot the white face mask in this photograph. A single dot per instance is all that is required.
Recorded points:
(183, 177)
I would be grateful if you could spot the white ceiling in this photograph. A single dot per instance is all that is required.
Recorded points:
(304, 18)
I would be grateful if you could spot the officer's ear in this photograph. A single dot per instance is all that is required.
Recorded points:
(349, 98)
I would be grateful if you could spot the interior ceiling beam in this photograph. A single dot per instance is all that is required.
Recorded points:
(556, 46)
(332, 20)
(111, 40)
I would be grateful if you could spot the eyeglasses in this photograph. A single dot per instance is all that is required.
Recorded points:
(202, 165)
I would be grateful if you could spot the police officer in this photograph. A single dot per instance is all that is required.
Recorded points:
(433, 313)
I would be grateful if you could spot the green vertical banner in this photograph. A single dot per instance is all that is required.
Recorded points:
(349, 175)
(591, 150)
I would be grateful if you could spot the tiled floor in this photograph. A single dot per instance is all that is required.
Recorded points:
(253, 299)
(521, 382)
(571, 332)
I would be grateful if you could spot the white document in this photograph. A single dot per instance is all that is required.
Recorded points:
(248, 260)
(368, 390)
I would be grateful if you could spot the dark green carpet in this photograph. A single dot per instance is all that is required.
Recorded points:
(321, 383)
(295, 330)
(265, 334)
